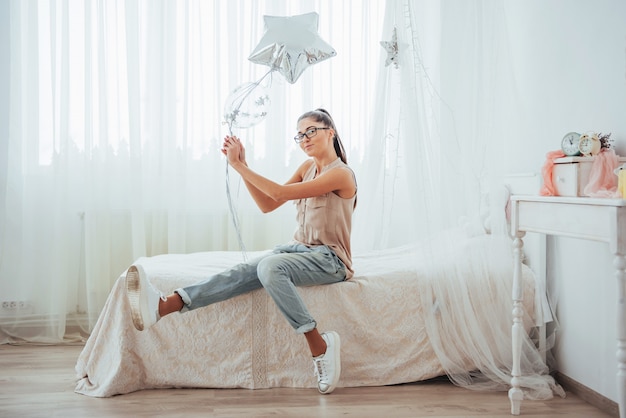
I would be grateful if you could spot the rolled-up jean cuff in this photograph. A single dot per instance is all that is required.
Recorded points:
(186, 299)
(306, 327)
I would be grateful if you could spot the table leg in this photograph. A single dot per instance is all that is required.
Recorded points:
(515, 393)
(620, 274)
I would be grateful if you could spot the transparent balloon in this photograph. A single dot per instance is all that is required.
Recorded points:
(247, 105)
(291, 44)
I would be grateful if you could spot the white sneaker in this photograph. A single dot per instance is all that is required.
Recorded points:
(143, 298)
(328, 365)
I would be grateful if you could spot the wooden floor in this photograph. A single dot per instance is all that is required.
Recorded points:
(38, 381)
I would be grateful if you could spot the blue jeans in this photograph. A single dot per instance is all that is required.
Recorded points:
(279, 272)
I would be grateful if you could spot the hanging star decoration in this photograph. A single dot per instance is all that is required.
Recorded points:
(392, 49)
(291, 44)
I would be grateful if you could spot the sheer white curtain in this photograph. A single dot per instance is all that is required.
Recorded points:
(441, 121)
(436, 125)
(405, 152)
(112, 125)
(440, 127)
(112, 122)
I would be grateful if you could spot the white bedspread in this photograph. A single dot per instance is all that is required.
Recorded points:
(246, 343)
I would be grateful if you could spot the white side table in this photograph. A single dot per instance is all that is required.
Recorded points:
(578, 217)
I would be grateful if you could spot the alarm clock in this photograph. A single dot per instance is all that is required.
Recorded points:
(589, 144)
(569, 144)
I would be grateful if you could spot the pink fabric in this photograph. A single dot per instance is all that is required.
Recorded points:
(602, 178)
(548, 188)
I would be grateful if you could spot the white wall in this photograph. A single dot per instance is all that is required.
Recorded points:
(581, 281)
(570, 70)
(517, 76)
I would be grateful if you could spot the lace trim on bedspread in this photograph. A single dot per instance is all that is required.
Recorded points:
(258, 324)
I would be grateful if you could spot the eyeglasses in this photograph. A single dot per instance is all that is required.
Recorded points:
(309, 133)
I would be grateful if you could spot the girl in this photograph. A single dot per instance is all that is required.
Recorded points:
(324, 189)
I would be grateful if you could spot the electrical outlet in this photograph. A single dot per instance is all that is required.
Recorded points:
(15, 306)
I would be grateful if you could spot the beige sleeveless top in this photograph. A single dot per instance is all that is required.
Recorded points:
(327, 219)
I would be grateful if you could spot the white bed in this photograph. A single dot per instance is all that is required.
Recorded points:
(437, 307)
(245, 342)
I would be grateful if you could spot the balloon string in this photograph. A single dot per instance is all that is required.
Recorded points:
(233, 213)
(234, 217)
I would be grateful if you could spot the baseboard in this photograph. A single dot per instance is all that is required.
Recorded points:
(31, 326)
(588, 395)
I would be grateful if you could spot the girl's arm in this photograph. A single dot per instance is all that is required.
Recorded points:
(263, 201)
(271, 195)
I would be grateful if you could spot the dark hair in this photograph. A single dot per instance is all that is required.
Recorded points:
(322, 116)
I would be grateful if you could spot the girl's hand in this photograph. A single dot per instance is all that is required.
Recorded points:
(233, 149)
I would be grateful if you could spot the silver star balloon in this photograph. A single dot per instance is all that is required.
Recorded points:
(392, 49)
(291, 44)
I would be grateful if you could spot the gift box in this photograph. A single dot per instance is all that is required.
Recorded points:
(570, 175)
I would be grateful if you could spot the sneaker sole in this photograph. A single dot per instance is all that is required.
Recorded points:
(337, 353)
(133, 291)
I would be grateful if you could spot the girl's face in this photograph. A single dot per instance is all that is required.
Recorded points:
(316, 138)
